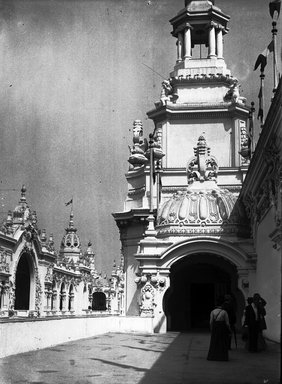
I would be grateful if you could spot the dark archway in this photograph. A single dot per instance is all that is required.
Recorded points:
(99, 301)
(23, 276)
(54, 295)
(62, 297)
(71, 297)
(195, 283)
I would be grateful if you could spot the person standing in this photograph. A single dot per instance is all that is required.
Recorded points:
(254, 321)
(220, 331)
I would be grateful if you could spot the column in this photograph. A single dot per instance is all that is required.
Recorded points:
(179, 47)
(187, 43)
(211, 41)
(71, 301)
(219, 43)
(49, 299)
(46, 292)
(54, 300)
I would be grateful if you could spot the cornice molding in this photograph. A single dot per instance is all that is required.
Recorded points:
(206, 110)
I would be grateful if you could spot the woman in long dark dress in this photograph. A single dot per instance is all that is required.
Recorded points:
(220, 331)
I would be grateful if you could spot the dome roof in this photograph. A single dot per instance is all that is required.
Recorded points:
(203, 207)
(70, 245)
(199, 208)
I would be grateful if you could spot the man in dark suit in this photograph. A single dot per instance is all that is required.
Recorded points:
(254, 315)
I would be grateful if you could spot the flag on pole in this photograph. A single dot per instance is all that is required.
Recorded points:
(68, 203)
(260, 111)
(274, 6)
(262, 57)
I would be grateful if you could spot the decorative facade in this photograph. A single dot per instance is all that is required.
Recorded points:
(38, 281)
(186, 237)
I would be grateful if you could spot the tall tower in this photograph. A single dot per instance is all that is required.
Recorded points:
(196, 226)
(201, 96)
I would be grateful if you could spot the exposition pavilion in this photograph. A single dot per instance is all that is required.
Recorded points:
(202, 215)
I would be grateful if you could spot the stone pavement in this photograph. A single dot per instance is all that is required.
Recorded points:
(172, 358)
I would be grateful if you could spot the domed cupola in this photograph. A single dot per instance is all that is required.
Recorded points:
(22, 211)
(204, 207)
(70, 245)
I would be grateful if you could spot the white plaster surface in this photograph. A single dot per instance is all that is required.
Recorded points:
(268, 276)
(19, 337)
(182, 138)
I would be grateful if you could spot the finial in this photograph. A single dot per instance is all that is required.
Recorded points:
(43, 236)
(71, 220)
(9, 217)
(51, 239)
(23, 191)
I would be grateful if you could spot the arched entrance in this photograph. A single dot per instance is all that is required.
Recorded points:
(23, 283)
(195, 283)
(99, 301)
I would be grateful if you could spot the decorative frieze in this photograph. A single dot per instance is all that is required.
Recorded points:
(4, 261)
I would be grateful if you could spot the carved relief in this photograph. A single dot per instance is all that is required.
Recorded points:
(245, 143)
(4, 264)
(49, 274)
(38, 292)
(267, 195)
(202, 166)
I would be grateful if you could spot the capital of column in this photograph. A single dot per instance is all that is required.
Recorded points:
(212, 24)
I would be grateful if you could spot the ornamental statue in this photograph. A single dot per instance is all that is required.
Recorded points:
(202, 166)
(137, 156)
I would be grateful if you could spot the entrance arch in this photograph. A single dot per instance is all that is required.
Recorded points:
(99, 301)
(195, 282)
(23, 283)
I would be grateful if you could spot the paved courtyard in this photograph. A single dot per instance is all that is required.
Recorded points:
(172, 358)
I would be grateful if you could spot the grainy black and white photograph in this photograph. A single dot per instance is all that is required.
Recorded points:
(140, 191)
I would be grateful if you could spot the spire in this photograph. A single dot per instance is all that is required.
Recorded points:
(22, 212)
(23, 198)
(70, 245)
(71, 226)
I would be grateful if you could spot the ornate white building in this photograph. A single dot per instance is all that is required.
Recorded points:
(37, 281)
(185, 235)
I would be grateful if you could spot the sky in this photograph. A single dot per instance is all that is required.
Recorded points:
(74, 76)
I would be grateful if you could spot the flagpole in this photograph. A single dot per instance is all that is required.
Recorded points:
(274, 34)
(158, 167)
(150, 232)
(252, 129)
(261, 109)
(151, 172)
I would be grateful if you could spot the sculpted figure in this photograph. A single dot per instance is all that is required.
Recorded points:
(147, 300)
(166, 91)
(233, 94)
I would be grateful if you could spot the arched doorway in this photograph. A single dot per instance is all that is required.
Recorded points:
(23, 283)
(99, 301)
(195, 283)
(62, 298)
(71, 298)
